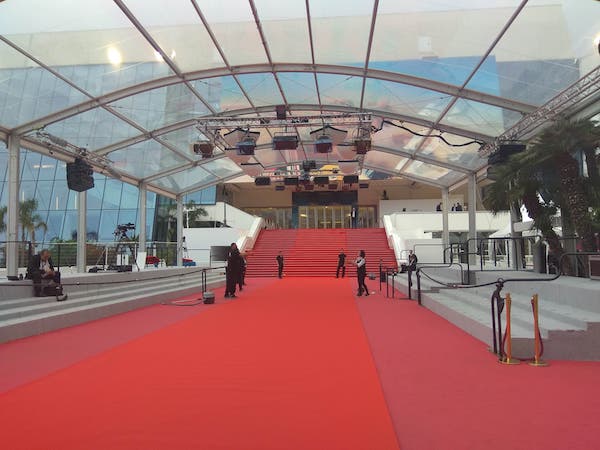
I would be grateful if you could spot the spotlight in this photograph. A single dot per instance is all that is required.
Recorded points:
(262, 181)
(285, 142)
(323, 144)
(203, 148)
(246, 146)
(362, 146)
(321, 181)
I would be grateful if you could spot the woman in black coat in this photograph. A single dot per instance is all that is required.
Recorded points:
(232, 273)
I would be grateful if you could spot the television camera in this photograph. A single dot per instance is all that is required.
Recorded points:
(121, 230)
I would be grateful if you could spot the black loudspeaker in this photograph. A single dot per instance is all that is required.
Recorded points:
(281, 112)
(350, 179)
(291, 181)
(363, 185)
(80, 176)
(504, 152)
(262, 181)
(321, 180)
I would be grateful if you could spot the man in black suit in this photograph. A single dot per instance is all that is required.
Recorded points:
(232, 273)
(412, 265)
(280, 264)
(41, 270)
(341, 265)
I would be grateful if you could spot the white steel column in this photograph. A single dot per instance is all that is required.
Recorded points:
(12, 231)
(472, 199)
(445, 224)
(180, 230)
(142, 219)
(81, 231)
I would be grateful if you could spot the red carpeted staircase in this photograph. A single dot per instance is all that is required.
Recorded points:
(310, 252)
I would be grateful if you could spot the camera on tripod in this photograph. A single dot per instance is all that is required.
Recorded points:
(121, 230)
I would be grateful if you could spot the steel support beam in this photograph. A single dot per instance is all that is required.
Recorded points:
(180, 244)
(81, 231)
(12, 230)
(142, 218)
(445, 221)
(472, 211)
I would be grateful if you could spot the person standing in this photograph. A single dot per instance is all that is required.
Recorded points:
(242, 277)
(412, 265)
(280, 264)
(341, 265)
(232, 273)
(361, 273)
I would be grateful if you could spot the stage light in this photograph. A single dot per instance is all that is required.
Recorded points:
(262, 181)
(321, 181)
(362, 146)
(246, 146)
(285, 142)
(279, 188)
(350, 179)
(323, 144)
(203, 148)
(363, 185)
(291, 181)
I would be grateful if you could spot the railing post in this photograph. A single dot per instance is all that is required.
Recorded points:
(409, 276)
(418, 274)
(506, 357)
(537, 361)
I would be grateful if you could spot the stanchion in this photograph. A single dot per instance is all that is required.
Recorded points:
(506, 356)
(539, 346)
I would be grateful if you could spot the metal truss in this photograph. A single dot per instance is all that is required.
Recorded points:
(340, 119)
(578, 92)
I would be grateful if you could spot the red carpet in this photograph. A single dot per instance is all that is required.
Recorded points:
(314, 252)
(445, 391)
(287, 366)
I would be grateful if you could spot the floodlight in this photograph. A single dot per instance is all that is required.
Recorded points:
(203, 148)
(323, 144)
(285, 142)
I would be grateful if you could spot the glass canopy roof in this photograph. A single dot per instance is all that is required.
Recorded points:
(133, 82)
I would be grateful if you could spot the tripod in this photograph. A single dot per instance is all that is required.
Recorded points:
(125, 243)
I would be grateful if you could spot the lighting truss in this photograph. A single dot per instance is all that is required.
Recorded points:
(587, 86)
(341, 119)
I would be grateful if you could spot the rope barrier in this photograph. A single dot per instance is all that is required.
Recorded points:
(505, 357)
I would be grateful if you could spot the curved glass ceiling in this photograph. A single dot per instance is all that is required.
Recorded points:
(132, 80)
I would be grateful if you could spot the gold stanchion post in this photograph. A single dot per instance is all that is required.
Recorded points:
(507, 358)
(537, 337)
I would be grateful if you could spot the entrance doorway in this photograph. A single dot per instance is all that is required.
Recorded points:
(335, 216)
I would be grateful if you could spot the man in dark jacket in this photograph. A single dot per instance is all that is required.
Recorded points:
(232, 273)
(41, 270)
(412, 265)
(341, 265)
(279, 259)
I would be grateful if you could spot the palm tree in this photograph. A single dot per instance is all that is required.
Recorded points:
(561, 145)
(517, 184)
(29, 219)
(2, 223)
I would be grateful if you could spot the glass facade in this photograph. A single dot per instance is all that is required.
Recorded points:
(109, 203)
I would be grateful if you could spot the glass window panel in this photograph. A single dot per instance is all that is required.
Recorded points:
(128, 216)
(269, 157)
(339, 89)
(299, 87)
(30, 165)
(28, 91)
(60, 195)
(55, 225)
(531, 69)
(404, 99)
(235, 30)
(180, 33)
(92, 225)
(48, 168)
(466, 155)
(72, 201)
(112, 194)
(480, 117)
(69, 229)
(286, 29)
(222, 93)
(163, 106)
(145, 159)
(92, 129)
(150, 200)
(386, 161)
(443, 41)
(185, 180)
(399, 137)
(26, 190)
(108, 223)
(129, 196)
(261, 88)
(43, 194)
(64, 34)
(96, 194)
(425, 170)
(341, 31)
(223, 167)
